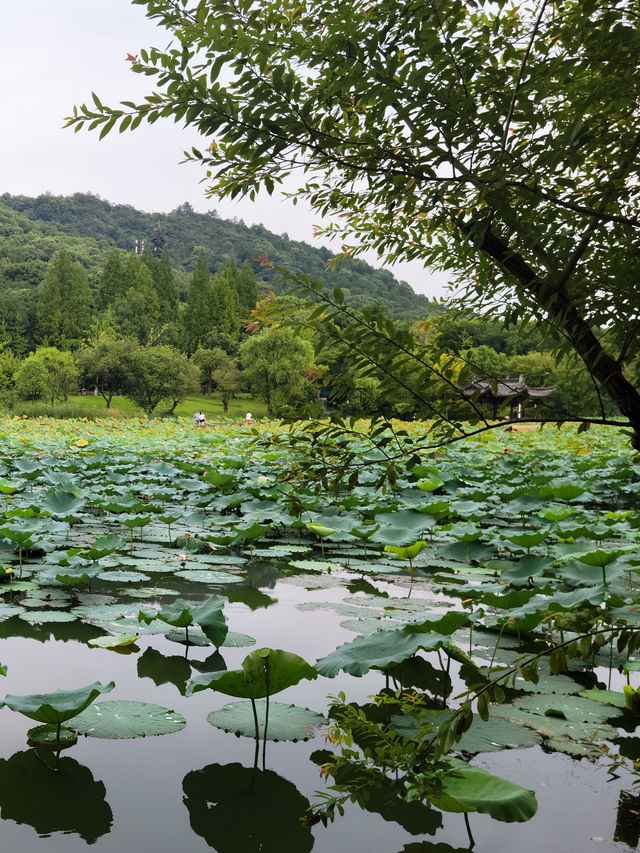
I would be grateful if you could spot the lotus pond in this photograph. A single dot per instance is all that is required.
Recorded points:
(199, 652)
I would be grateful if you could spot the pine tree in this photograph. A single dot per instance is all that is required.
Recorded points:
(165, 287)
(198, 314)
(226, 309)
(63, 302)
(247, 289)
(112, 283)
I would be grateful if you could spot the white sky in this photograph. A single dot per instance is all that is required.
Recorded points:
(53, 53)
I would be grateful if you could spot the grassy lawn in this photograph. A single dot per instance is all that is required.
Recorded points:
(211, 406)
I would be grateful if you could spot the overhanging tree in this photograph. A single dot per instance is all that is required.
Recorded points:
(498, 140)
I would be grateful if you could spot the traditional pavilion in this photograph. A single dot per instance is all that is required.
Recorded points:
(515, 391)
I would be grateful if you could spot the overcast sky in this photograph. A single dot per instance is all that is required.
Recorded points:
(52, 55)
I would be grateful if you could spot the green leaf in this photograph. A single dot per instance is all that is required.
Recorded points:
(56, 707)
(470, 789)
(320, 530)
(114, 642)
(128, 720)
(264, 672)
(378, 651)
(406, 552)
(286, 722)
(182, 614)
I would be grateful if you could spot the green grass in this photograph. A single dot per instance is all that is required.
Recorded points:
(91, 406)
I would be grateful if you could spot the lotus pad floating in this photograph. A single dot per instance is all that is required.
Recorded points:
(197, 637)
(131, 626)
(217, 559)
(48, 736)
(235, 640)
(114, 642)
(105, 612)
(18, 586)
(9, 610)
(571, 708)
(204, 576)
(315, 565)
(495, 734)
(286, 722)
(150, 592)
(127, 720)
(39, 617)
(556, 728)
(123, 577)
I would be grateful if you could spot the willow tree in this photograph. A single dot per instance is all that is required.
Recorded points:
(497, 140)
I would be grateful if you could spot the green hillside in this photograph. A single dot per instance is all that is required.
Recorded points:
(31, 229)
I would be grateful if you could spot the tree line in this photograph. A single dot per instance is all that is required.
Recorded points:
(136, 335)
(481, 138)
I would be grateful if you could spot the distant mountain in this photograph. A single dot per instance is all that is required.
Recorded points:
(31, 229)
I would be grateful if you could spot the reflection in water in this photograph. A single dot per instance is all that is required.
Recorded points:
(164, 669)
(68, 800)
(429, 847)
(236, 808)
(175, 669)
(253, 598)
(628, 819)
(383, 795)
(262, 573)
(78, 631)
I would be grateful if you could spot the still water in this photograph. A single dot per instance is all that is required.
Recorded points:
(196, 790)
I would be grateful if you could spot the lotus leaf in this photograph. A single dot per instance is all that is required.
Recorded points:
(193, 636)
(182, 614)
(430, 484)
(320, 530)
(50, 736)
(556, 729)
(104, 545)
(56, 707)
(114, 642)
(378, 651)
(407, 552)
(123, 577)
(206, 576)
(286, 722)
(39, 617)
(128, 720)
(236, 640)
(264, 672)
(61, 502)
(470, 789)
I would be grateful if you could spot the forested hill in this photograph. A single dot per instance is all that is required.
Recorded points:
(31, 229)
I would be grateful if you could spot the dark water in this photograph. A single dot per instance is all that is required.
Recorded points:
(195, 790)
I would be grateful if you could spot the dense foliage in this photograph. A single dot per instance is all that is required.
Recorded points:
(88, 227)
(112, 536)
(481, 138)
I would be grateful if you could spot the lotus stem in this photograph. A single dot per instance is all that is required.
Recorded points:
(266, 713)
(472, 843)
(610, 661)
(257, 727)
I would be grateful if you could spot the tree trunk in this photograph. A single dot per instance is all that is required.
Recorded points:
(556, 302)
